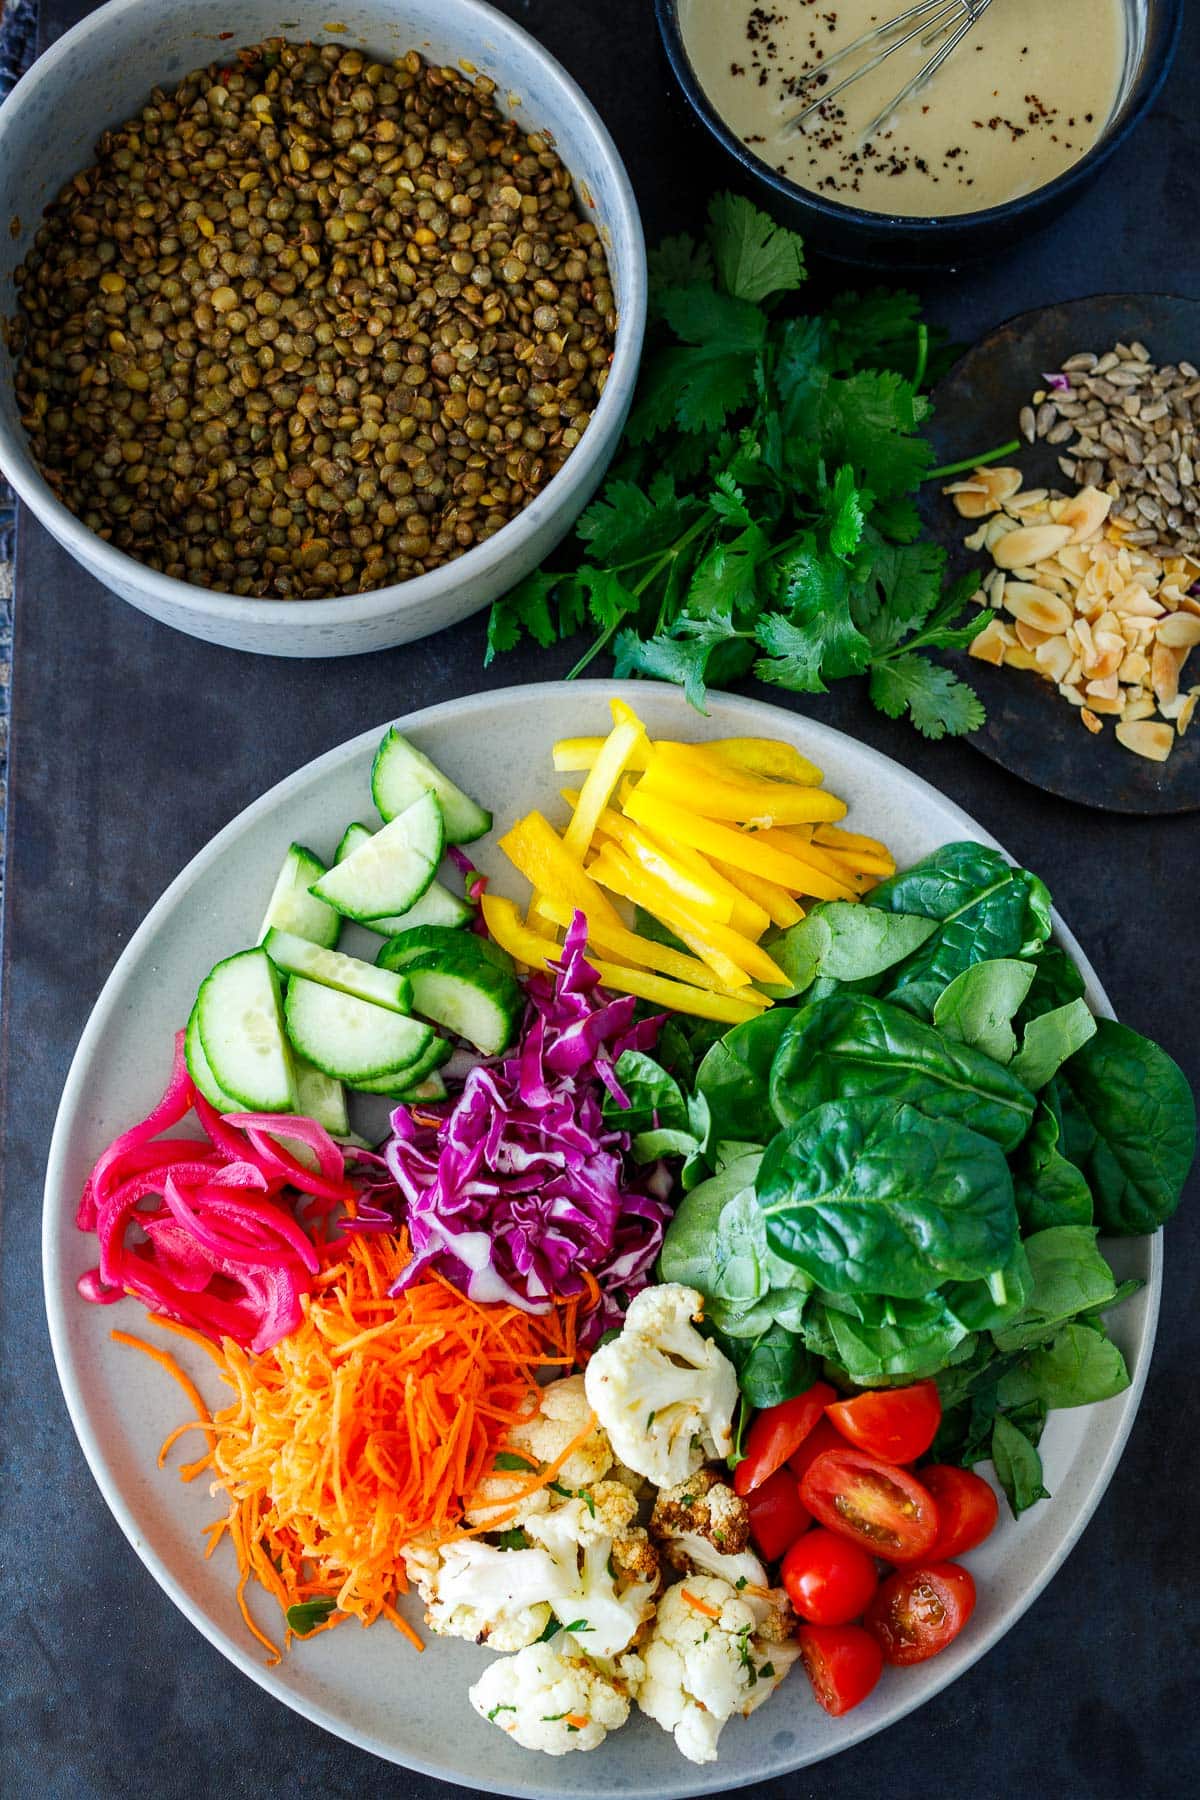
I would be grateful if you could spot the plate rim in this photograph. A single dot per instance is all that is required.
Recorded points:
(707, 1779)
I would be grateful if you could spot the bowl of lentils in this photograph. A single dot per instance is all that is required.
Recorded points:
(311, 344)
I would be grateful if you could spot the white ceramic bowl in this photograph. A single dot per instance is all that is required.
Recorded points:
(102, 72)
(367, 1686)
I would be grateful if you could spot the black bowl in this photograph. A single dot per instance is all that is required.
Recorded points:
(894, 241)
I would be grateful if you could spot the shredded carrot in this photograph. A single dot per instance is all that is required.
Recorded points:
(578, 1720)
(376, 1422)
(698, 1605)
(592, 1287)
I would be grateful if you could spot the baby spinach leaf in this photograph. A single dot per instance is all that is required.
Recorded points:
(785, 1306)
(1056, 981)
(1018, 1466)
(987, 909)
(990, 1304)
(655, 1097)
(914, 1342)
(855, 1045)
(1050, 1190)
(1069, 1276)
(1130, 1123)
(844, 942)
(1076, 1367)
(1050, 1039)
(978, 1006)
(868, 1197)
(687, 1252)
(734, 1078)
(771, 1368)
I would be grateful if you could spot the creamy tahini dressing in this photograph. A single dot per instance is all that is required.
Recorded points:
(1024, 96)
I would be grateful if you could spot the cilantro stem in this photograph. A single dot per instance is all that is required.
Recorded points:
(661, 560)
(975, 462)
(922, 354)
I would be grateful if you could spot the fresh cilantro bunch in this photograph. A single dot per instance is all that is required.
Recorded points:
(761, 517)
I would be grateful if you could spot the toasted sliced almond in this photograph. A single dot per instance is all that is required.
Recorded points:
(991, 644)
(1165, 664)
(1136, 602)
(1186, 711)
(1180, 630)
(1070, 692)
(1190, 604)
(1135, 668)
(1085, 512)
(1091, 721)
(1016, 658)
(1109, 653)
(1054, 657)
(1140, 707)
(1109, 689)
(1110, 708)
(1085, 644)
(1033, 606)
(1146, 737)
(1029, 637)
(1028, 544)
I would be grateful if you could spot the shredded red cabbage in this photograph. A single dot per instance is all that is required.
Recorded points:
(223, 1250)
(518, 1185)
(1059, 384)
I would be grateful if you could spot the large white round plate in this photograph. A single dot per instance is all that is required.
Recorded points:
(369, 1687)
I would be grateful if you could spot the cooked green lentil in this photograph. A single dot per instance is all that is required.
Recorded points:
(311, 324)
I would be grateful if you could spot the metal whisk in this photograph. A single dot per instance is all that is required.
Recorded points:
(929, 21)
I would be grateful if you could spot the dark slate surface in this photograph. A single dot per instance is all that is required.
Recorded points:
(133, 745)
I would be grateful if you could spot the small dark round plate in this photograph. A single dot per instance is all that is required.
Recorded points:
(1030, 729)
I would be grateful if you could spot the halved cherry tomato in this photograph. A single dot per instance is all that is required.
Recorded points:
(777, 1514)
(967, 1509)
(843, 1662)
(878, 1506)
(895, 1424)
(829, 1580)
(918, 1611)
(822, 1437)
(776, 1432)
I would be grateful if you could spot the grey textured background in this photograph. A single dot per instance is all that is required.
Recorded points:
(133, 745)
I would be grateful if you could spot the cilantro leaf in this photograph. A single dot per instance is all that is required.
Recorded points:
(755, 258)
(870, 421)
(817, 636)
(524, 608)
(626, 523)
(696, 389)
(724, 582)
(306, 1615)
(845, 507)
(720, 323)
(676, 262)
(876, 330)
(711, 651)
(899, 590)
(937, 702)
(510, 1462)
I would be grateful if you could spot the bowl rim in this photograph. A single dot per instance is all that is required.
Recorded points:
(1143, 92)
(626, 248)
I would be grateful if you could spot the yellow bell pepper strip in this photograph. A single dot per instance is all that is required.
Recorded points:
(675, 996)
(740, 849)
(644, 953)
(692, 890)
(778, 905)
(747, 916)
(719, 945)
(810, 856)
(574, 756)
(694, 784)
(767, 756)
(535, 848)
(835, 837)
(627, 733)
(503, 920)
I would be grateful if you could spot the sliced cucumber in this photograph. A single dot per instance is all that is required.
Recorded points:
(241, 1031)
(320, 1097)
(430, 1089)
(201, 1074)
(400, 772)
(351, 1039)
(399, 1087)
(392, 869)
(437, 905)
(333, 969)
(433, 940)
(468, 994)
(293, 908)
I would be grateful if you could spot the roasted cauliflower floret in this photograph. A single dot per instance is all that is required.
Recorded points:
(550, 1702)
(560, 1415)
(703, 1505)
(664, 1394)
(591, 1539)
(702, 1527)
(704, 1663)
(497, 1597)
